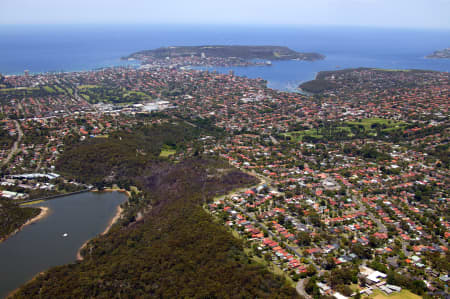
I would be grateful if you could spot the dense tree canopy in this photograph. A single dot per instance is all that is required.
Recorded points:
(174, 249)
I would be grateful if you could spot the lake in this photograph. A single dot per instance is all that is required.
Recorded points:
(41, 245)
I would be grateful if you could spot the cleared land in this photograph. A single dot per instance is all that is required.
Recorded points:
(404, 294)
(369, 126)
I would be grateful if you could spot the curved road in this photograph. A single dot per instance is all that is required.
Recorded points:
(300, 288)
(15, 147)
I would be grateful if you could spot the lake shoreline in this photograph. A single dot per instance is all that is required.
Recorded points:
(113, 220)
(116, 217)
(11, 294)
(42, 214)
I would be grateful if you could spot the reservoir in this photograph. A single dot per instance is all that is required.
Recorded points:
(55, 240)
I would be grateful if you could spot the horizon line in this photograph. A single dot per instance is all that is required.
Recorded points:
(261, 25)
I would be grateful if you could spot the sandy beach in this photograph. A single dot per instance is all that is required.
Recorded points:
(110, 224)
(113, 220)
(115, 190)
(44, 213)
(79, 256)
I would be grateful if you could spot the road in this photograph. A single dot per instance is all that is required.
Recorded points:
(301, 289)
(15, 147)
(266, 181)
(274, 141)
(256, 223)
(381, 227)
(46, 148)
(80, 99)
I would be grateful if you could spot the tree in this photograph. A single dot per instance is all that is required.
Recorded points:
(311, 270)
(361, 251)
(311, 287)
(303, 238)
(330, 263)
(344, 275)
(374, 242)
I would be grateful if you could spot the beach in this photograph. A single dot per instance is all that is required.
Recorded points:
(113, 220)
(44, 213)
(110, 224)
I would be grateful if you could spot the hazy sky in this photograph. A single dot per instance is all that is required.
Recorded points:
(384, 13)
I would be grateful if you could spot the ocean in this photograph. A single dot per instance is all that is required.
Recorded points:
(82, 47)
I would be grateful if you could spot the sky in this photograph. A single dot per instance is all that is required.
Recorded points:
(372, 13)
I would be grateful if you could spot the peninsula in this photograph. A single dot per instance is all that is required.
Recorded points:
(330, 81)
(220, 55)
(440, 54)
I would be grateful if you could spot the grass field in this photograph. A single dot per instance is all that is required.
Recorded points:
(167, 151)
(49, 89)
(59, 89)
(404, 294)
(136, 93)
(86, 86)
(385, 125)
(18, 88)
(368, 122)
(31, 203)
(298, 135)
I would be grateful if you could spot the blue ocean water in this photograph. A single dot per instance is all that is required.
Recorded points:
(81, 47)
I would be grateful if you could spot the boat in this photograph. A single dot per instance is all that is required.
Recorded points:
(65, 235)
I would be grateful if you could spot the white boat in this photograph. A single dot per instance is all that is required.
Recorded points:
(65, 235)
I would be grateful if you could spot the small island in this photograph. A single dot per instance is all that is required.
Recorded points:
(441, 54)
(219, 55)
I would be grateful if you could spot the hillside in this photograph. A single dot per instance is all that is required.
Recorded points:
(12, 217)
(368, 78)
(166, 245)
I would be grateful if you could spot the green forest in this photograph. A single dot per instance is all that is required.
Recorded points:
(123, 155)
(165, 245)
(13, 217)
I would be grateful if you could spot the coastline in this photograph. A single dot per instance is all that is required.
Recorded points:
(17, 289)
(113, 220)
(127, 193)
(45, 211)
(79, 256)
(110, 224)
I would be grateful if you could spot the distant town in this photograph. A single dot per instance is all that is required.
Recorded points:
(353, 198)
(445, 53)
(221, 56)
